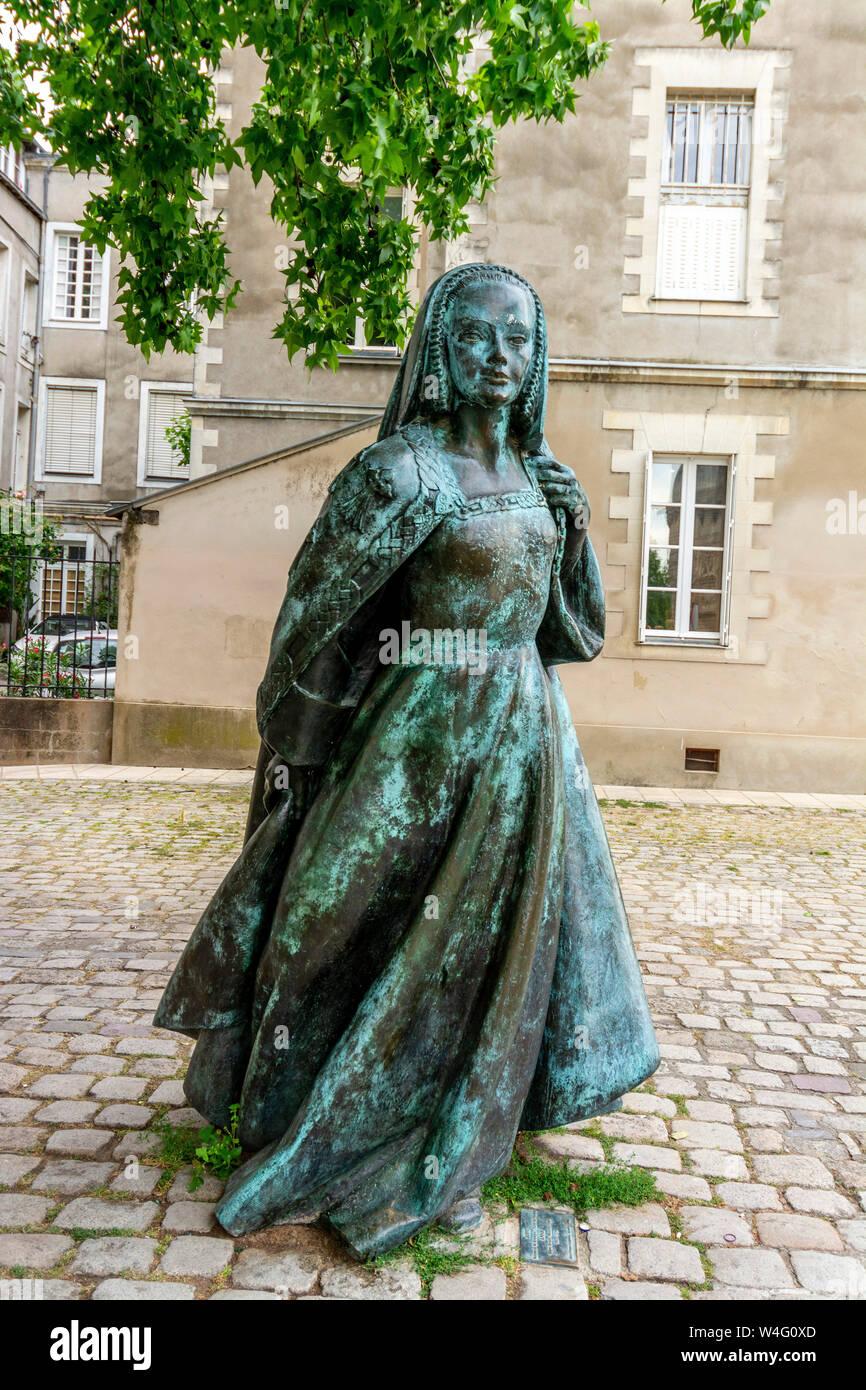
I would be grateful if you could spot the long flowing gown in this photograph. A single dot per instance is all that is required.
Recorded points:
(401, 1000)
(446, 957)
(415, 1020)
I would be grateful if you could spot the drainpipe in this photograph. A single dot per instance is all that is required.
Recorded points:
(37, 356)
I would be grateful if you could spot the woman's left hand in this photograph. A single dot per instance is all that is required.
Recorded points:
(561, 488)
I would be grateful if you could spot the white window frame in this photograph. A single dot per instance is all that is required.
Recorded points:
(19, 479)
(359, 347)
(704, 196)
(64, 538)
(12, 165)
(680, 635)
(5, 286)
(49, 319)
(78, 479)
(143, 478)
(28, 356)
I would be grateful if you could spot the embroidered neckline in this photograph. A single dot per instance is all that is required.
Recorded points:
(417, 435)
(502, 501)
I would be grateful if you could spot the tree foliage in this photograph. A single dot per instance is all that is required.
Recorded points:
(358, 97)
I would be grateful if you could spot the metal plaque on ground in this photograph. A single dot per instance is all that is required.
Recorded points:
(548, 1237)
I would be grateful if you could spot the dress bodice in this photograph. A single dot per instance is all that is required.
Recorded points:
(486, 566)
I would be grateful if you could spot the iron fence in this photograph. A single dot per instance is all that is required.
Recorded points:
(58, 625)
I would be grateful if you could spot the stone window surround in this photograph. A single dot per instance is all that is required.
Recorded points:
(762, 71)
(735, 436)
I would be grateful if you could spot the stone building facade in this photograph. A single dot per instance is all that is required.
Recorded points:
(693, 234)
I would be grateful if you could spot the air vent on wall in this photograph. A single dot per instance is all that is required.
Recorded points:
(702, 760)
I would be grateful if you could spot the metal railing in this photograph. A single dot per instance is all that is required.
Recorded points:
(58, 626)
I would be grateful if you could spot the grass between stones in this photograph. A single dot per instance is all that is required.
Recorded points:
(428, 1257)
(208, 1150)
(531, 1178)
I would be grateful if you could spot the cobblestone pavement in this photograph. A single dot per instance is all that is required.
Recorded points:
(749, 921)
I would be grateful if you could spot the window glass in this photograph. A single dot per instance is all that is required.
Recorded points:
(685, 577)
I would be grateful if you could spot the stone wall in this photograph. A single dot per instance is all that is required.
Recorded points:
(55, 731)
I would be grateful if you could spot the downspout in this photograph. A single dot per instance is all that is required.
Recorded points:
(37, 357)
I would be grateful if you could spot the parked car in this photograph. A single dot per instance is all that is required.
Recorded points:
(79, 665)
(94, 656)
(60, 625)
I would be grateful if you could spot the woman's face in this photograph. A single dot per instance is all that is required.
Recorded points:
(490, 330)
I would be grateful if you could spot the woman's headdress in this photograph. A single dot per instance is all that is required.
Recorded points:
(424, 385)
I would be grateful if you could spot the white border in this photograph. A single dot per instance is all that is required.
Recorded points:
(92, 383)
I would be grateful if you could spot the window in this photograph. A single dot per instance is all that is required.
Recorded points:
(161, 402)
(703, 211)
(28, 316)
(71, 428)
(4, 289)
(78, 293)
(64, 582)
(22, 444)
(686, 569)
(394, 206)
(12, 165)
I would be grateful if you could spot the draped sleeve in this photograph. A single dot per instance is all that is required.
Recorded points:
(573, 624)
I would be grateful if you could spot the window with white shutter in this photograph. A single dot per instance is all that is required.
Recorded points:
(703, 213)
(70, 430)
(161, 403)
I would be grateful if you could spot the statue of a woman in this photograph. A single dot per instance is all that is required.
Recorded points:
(422, 947)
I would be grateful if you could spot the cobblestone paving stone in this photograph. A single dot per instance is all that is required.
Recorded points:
(750, 922)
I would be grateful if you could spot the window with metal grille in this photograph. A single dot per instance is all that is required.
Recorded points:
(703, 214)
(70, 430)
(687, 549)
(77, 279)
(162, 460)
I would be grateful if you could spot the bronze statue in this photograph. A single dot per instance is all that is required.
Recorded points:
(422, 947)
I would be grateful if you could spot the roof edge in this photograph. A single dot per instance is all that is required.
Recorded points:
(288, 451)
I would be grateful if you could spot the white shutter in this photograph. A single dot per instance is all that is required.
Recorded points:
(70, 430)
(162, 461)
(701, 251)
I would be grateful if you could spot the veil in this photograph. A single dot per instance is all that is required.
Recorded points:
(421, 360)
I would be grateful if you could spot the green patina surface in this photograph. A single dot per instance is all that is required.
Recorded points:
(423, 945)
